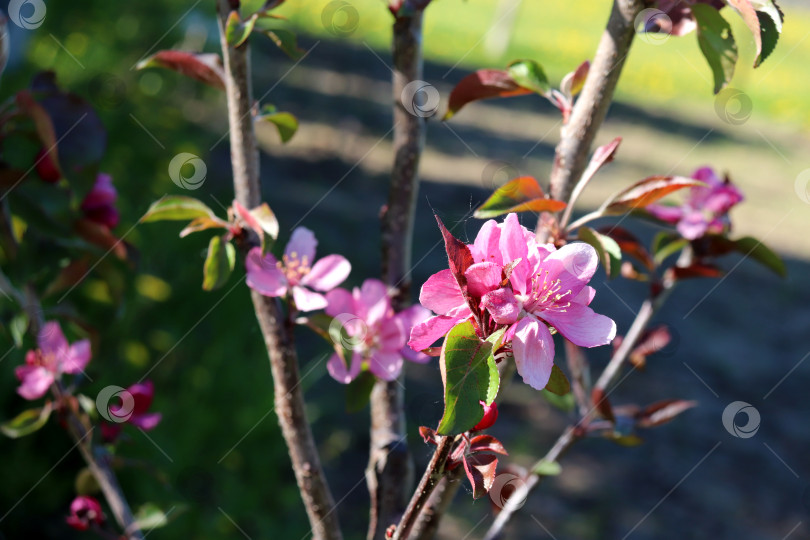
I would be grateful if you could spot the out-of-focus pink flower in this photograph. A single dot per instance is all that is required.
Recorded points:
(53, 357)
(45, 167)
(84, 512)
(99, 204)
(374, 333)
(136, 413)
(705, 209)
(296, 274)
(545, 286)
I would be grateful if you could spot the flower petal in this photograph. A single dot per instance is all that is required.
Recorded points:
(485, 247)
(340, 301)
(585, 296)
(581, 325)
(512, 242)
(502, 305)
(328, 273)
(76, 358)
(425, 334)
(392, 336)
(302, 245)
(693, 225)
(145, 421)
(482, 278)
(533, 348)
(441, 293)
(35, 381)
(385, 365)
(375, 304)
(263, 274)
(338, 370)
(306, 300)
(51, 339)
(142, 394)
(670, 214)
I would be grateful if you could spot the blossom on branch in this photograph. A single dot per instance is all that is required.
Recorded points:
(528, 288)
(371, 332)
(99, 204)
(296, 274)
(84, 512)
(705, 209)
(54, 356)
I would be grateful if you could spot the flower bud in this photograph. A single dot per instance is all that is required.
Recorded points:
(490, 416)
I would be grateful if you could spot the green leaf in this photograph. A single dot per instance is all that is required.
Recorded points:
(358, 392)
(529, 74)
(717, 44)
(770, 28)
(285, 39)
(758, 251)
(150, 516)
(558, 383)
(666, 244)
(218, 264)
(236, 30)
(86, 483)
(565, 403)
(547, 468)
(519, 195)
(18, 326)
(469, 375)
(176, 208)
(27, 422)
(610, 254)
(285, 122)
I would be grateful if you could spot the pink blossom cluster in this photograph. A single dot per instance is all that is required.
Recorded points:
(528, 288)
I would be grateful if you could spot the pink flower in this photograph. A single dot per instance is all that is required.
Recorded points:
(99, 204)
(705, 209)
(296, 274)
(53, 357)
(133, 412)
(376, 335)
(524, 286)
(84, 511)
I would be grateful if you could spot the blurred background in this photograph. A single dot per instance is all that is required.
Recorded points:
(217, 462)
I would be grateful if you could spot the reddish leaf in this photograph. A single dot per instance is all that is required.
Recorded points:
(573, 82)
(648, 191)
(43, 126)
(662, 412)
(428, 434)
(487, 443)
(697, 270)
(480, 469)
(630, 245)
(651, 342)
(483, 84)
(458, 257)
(600, 401)
(101, 236)
(522, 194)
(203, 67)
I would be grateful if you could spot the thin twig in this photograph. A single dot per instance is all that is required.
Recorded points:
(276, 329)
(433, 473)
(390, 470)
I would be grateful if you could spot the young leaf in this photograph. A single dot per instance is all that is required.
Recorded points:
(761, 253)
(483, 84)
(285, 123)
(459, 257)
(284, 39)
(203, 67)
(749, 15)
(558, 382)
(573, 82)
(150, 516)
(480, 469)
(665, 244)
(648, 191)
(522, 194)
(717, 43)
(610, 254)
(629, 244)
(26, 422)
(487, 443)
(236, 30)
(469, 375)
(177, 208)
(547, 468)
(218, 264)
(101, 236)
(564, 403)
(529, 74)
(600, 401)
(662, 412)
(697, 270)
(202, 224)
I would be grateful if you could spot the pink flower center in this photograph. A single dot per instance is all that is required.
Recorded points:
(294, 268)
(545, 295)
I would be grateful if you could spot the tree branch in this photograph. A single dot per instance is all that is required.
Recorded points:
(276, 330)
(431, 515)
(433, 473)
(590, 109)
(390, 470)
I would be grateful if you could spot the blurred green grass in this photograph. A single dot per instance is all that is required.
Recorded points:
(667, 72)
